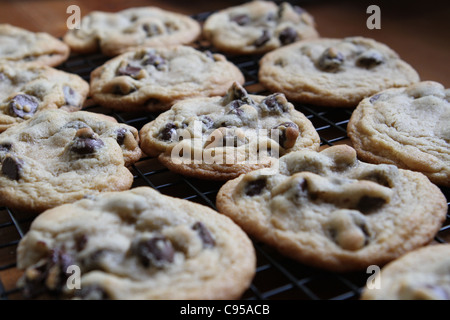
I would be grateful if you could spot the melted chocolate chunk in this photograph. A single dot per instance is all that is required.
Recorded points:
(155, 60)
(5, 147)
(287, 137)
(49, 275)
(120, 135)
(86, 142)
(330, 60)
(23, 105)
(263, 39)
(167, 132)
(370, 204)
(87, 145)
(129, 71)
(241, 19)
(287, 36)
(205, 235)
(76, 125)
(151, 30)
(369, 59)
(255, 187)
(157, 251)
(12, 167)
(272, 105)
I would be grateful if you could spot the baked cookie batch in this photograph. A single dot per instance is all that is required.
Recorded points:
(341, 208)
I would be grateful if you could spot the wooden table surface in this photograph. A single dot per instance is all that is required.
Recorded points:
(419, 33)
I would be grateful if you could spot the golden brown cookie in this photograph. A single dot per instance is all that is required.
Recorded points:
(331, 211)
(408, 127)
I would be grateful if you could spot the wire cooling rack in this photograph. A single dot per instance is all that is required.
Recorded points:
(277, 277)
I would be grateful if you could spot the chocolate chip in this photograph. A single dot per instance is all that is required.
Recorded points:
(129, 71)
(263, 39)
(156, 251)
(71, 97)
(120, 135)
(80, 242)
(255, 187)
(369, 204)
(167, 132)
(369, 59)
(76, 125)
(49, 275)
(154, 60)
(330, 60)
(91, 292)
(287, 134)
(287, 36)
(151, 30)
(207, 122)
(23, 105)
(12, 167)
(205, 235)
(124, 89)
(379, 178)
(5, 147)
(86, 142)
(241, 19)
(272, 105)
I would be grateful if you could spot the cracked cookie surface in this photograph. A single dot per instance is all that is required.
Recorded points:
(27, 89)
(39, 48)
(408, 127)
(58, 157)
(154, 79)
(118, 32)
(330, 210)
(418, 275)
(220, 138)
(137, 244)
(258, 27)
(334, 72)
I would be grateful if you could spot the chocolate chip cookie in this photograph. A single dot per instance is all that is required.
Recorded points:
(418, 275)
(154, 79)
(118, 32)
(20, 45)
(58, 157)
(27, 89)
(331, 211)
(136, 244)
(258, 26)
(408, 127)
(222, 137)
(334, 72)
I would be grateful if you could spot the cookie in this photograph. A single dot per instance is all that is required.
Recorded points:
(28, 89)
(58, 157)
(136, 244)
(422, 274)
(20, 45)
(334, 72)
(220, 138)
(257, 27)
(116, 33)
(408, 127)
(154, 79)
(329, 210)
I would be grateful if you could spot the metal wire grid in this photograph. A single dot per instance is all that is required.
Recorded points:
(277, 277)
